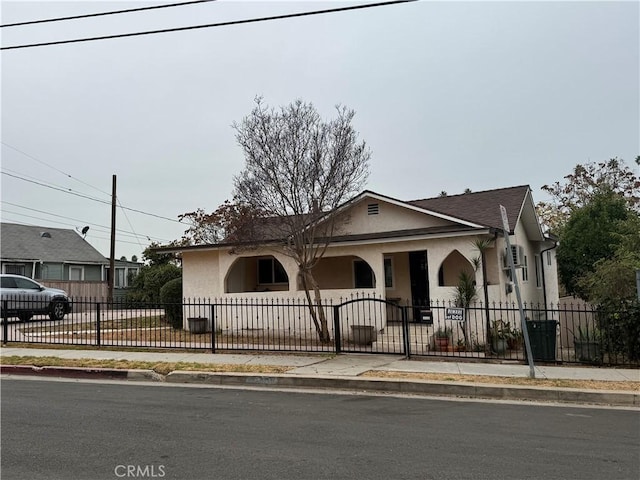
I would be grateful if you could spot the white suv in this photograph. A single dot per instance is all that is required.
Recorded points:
(24, 298)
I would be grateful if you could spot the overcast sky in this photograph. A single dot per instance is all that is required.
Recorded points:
(449, 95)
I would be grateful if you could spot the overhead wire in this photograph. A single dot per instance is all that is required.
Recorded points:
(73, 178)
(53, 167)
(211, 25)
(70, 192)
(101, 14)
(62, 223)
(83, 222)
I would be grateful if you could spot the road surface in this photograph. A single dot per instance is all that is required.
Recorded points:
(90, 430)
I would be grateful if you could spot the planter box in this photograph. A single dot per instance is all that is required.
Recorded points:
(198, 324)
(363, 334)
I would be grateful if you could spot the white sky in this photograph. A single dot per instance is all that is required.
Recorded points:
(448, 95)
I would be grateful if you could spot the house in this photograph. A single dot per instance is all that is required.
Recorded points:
(399, 251)
(126, 271)
(50, 255)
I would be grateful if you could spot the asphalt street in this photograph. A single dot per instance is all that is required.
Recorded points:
(89, 430)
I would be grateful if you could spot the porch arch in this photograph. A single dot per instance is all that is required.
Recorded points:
(264, 273)
(344, 272)
(451, 267)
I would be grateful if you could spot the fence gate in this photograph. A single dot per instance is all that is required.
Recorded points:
(370, 325)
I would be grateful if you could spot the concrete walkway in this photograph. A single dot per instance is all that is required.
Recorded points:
(346, 365)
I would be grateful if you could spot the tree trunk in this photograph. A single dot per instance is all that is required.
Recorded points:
(487, 346)
(319, 317)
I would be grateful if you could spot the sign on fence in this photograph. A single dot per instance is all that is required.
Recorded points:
(456, 314)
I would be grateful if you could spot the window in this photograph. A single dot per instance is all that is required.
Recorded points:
(270, 271)
(362, 275)
(525, 270)
(538, 267)
(14, 269)
(119, 280)
(76, 274)
(132, 273)
(388, 273)
(8, 282)
(549, 258)
(26, 284)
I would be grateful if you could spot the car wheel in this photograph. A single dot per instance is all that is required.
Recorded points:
(25, 316)
(57, 310)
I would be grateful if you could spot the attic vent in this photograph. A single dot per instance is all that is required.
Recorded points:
(373, 209)
(45, 235)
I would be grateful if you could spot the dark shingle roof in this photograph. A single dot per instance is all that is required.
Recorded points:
(479, 207)
(25, 242)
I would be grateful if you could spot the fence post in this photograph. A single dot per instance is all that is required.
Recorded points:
(5, 321)
(405, 333)
(213, 328)
(98, 340)
(336, 329)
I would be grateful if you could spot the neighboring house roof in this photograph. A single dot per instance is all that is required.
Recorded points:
(470, 211)
(31, 243)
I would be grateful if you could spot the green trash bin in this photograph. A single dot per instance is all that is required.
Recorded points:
(542, 337)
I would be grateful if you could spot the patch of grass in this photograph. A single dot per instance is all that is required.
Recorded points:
(153, 321)
(158, 367)
(522, 381)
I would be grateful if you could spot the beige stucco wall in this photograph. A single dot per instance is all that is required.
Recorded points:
(204, 272)
(390, 217)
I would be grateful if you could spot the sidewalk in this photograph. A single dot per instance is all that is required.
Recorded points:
(343, 371)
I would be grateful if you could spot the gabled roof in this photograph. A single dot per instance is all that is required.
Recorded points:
(31, 243)
(480, 207)
(470, 211)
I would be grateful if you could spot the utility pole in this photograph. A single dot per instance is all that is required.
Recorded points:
(112, 256)
(514, 277)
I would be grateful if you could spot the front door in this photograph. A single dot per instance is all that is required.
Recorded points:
(419, 275)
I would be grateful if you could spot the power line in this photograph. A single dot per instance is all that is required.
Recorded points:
(70, 192)
(84, 222)
(211, 25)
(62, 223)
(72, 177)
(100, 14)
(54, 168)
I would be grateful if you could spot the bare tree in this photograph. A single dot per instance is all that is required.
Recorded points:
(299, 169)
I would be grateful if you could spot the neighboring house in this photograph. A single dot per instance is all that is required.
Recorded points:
(53, 254)
(401, 251)
(126, 271)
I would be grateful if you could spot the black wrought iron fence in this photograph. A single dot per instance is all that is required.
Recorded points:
(365, 324)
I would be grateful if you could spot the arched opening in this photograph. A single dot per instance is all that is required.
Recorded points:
(347, 272)
(256, 274)
(451, 267)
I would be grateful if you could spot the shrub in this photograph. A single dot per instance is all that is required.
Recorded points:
(147, 284)
(171, 298)
(619, 324)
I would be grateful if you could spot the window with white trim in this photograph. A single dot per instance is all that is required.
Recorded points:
(525, 270)
(538, 270)
(13, 268)
(76, 274)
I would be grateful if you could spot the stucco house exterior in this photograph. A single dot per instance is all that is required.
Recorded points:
(399, 251)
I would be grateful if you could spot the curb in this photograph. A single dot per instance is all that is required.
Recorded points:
(421, 387)
(371, 384)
